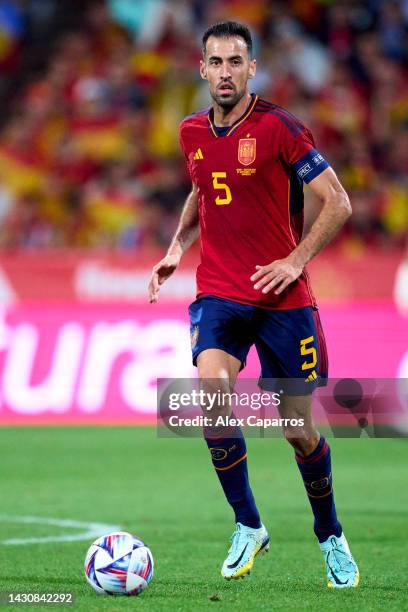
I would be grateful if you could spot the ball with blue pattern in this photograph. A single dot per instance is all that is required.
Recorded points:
(119, 564)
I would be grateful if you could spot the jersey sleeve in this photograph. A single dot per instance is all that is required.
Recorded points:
(299, 152)
(181, 141)
(183, 149)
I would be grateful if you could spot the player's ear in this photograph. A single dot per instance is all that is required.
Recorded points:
(252, 68)
(203, 70)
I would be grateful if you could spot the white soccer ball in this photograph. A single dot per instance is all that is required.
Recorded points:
(119, 564)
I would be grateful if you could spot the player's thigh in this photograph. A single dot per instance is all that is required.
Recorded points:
(218, 364)
(222, 325)
(217, 373)
(293, 359)
(220, 341)
(291, 347)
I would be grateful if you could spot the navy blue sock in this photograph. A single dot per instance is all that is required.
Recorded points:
(229, 457)
(317, 478)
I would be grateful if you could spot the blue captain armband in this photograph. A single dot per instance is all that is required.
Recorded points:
(310, 166)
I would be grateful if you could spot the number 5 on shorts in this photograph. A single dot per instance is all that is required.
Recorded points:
(227, 199)
(308, 350)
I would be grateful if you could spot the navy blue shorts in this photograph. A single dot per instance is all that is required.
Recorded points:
(290, 343)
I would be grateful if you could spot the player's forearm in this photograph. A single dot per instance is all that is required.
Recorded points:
(335, 212)
(182, 240)
(188, 228)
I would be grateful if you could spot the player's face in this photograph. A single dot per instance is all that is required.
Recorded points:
(227, 68)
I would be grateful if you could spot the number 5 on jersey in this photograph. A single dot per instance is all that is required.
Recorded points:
(226, 197)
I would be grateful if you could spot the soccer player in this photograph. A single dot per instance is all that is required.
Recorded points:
(248, 160)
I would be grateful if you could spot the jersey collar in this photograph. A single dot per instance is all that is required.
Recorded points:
(238, 122)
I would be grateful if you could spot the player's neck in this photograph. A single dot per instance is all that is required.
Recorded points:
(224, 117)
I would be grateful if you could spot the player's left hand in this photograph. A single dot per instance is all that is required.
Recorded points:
(278, 274)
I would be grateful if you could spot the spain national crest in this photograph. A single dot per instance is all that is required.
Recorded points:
(246, 151)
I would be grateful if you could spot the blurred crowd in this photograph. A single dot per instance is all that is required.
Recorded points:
(89, 153)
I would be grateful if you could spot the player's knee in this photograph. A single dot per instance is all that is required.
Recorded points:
(294, 439)
(293, 430)
(214, 377)
(215, 395)
(214, 380)
(302, 444)
(217, 365)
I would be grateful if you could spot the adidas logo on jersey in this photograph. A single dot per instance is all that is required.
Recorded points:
(198, 154)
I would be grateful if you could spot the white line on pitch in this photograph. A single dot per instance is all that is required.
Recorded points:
(88, 530)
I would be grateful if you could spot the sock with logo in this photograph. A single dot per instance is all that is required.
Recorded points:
(229, 457)
(317, 478)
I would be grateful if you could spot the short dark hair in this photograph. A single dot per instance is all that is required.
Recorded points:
(226, 29)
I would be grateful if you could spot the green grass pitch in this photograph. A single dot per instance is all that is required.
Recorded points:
(165, 491)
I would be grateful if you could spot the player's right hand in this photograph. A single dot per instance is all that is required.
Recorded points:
(160, 273)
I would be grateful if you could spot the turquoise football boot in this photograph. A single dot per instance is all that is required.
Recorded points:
(246, 544)
(341, 569)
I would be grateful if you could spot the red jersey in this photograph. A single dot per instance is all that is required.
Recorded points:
(250, 199)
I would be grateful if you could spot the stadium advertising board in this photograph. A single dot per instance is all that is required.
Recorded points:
(87, 363)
